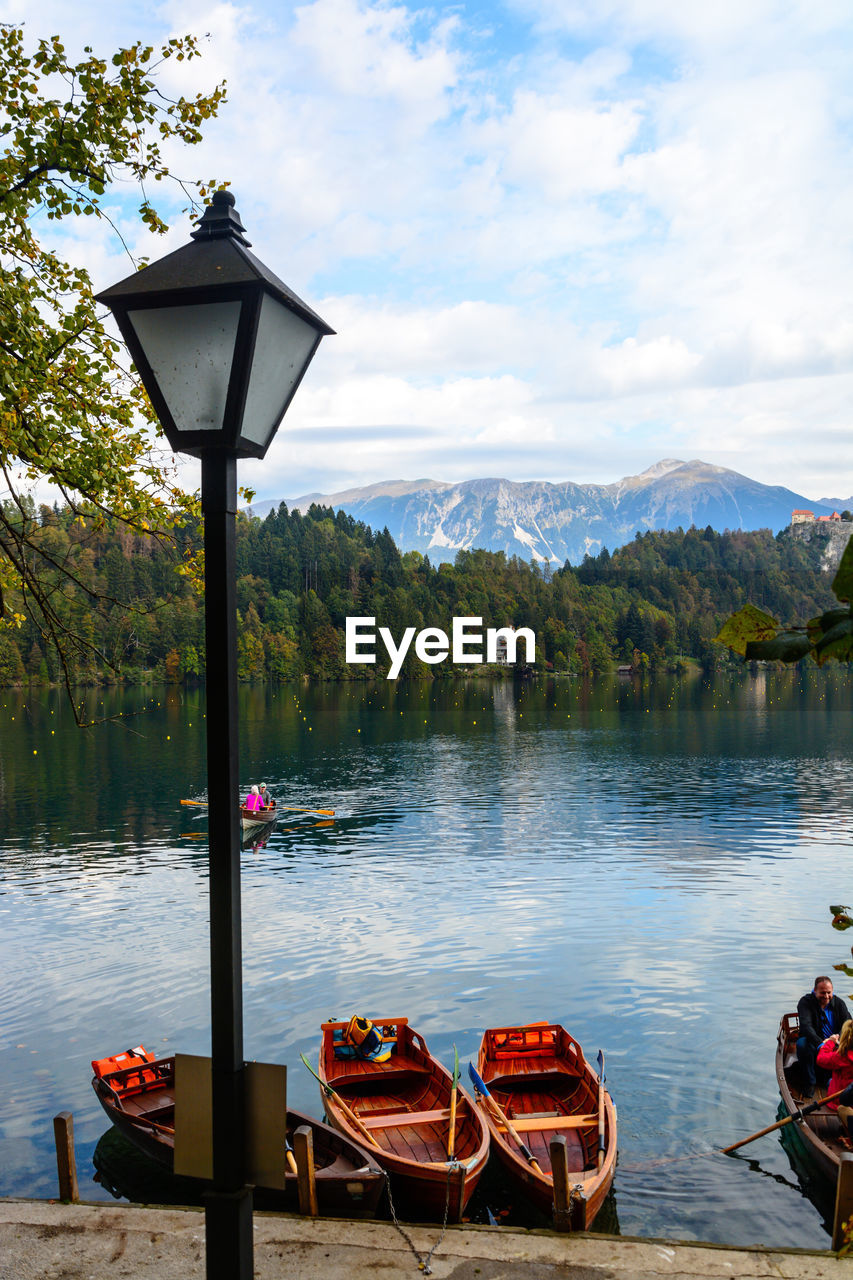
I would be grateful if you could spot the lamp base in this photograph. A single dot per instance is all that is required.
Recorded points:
(229, 1246)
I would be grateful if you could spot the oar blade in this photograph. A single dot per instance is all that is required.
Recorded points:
(480, 1085)
(601, 1077)
(298, 808)
(313, 1072)
(454, 1088)
(795, 1115)
(477, 1080)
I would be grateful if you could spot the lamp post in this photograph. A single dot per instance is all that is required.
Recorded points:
(221, 345)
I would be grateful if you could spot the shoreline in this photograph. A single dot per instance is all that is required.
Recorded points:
(46, 1240)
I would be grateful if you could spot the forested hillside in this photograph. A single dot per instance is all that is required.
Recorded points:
(661, 597)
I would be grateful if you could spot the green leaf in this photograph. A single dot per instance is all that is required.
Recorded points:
(746, 626)
(844, 968)
(818, 627)
(837, 643)
(837, 911)
(788, 646)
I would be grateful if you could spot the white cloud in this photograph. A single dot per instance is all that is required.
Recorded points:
(598, 234)
(556, 150)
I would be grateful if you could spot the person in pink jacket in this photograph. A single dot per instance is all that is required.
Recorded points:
(253, 800)
(836, 1055)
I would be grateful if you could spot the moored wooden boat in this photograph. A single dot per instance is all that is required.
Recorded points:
(139, 1099)
(404, 1105)
(540, 1079)
(819, 1130)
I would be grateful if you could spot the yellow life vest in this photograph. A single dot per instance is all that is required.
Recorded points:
(366, 1040)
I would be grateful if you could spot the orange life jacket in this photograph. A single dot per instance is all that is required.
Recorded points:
(131, 1080)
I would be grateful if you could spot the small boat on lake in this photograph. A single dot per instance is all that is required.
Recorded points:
(819, 1130)
(402, 1099)
(137, 1091)
(543, 1084)
(252, 819)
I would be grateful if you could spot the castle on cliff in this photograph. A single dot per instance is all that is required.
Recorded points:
(809, 517)
(832, 533)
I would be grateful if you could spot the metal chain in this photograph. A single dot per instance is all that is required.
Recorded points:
(423, 1263)
(575, 1195)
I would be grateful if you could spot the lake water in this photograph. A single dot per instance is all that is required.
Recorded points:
(649, 864)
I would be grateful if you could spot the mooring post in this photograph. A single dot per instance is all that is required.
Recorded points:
(63, 1133)
(303, 1149)
(560, 1175)
(843, 1200)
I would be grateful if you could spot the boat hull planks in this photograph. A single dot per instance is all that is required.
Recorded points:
(540, 1079)
(349, 1181)
(819, 1131)
(404, 1104)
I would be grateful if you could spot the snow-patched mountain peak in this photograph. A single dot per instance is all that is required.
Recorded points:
(561, 521)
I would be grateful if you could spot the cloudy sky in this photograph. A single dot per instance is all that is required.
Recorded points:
(558, 239)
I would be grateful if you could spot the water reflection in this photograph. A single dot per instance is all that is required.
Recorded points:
(613, 855)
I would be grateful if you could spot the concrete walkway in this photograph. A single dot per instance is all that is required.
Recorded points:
(43, 1240)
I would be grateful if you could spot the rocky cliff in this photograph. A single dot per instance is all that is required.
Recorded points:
(834, 535)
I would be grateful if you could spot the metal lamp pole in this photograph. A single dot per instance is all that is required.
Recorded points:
(228, 1207)
(221, 345)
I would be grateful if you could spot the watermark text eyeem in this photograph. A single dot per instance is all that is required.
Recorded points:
(464, 645)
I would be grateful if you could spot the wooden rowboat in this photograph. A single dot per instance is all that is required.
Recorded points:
(404, 1106)
(819, 1130)
(140, 1101)
(540, 1079)
(252, 819)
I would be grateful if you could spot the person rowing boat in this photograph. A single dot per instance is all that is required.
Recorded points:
(252, 802)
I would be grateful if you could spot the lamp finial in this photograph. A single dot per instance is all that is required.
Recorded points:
(220, 220)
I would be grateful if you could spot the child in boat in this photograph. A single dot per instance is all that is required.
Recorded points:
(836, 1055)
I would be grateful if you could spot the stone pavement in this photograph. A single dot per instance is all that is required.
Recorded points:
(45, 1240)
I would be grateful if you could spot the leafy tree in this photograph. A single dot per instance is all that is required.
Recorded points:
(758, 636)
(71, 411)
(642, 604)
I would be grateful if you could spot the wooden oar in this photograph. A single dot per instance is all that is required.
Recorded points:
(336, 1098)
(600, 1108)
(480, 1086)
(451, 1139)
(294, 808)
(795, 1115)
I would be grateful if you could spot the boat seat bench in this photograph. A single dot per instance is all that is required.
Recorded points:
(139, 1105)
(350, 1083)
(532, 1124)
(402, 1118)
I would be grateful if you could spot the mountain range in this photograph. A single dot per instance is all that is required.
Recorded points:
(565, 521)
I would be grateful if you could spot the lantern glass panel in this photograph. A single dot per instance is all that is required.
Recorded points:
(283, 348)
(191, 351)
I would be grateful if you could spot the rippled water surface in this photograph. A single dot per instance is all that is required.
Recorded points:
(650, 865)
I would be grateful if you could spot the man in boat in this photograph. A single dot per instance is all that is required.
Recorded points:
(821, 1015)
(267, 801)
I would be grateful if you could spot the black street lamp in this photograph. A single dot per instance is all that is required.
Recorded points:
(221, 345)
